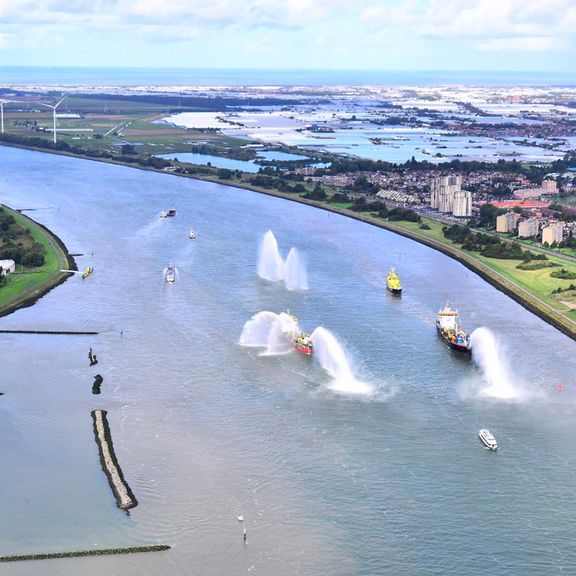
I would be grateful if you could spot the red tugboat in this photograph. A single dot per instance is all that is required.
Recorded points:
(450, 330)
(301, 341)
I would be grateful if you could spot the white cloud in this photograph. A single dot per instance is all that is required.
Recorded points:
(534, 21)
(535, 44)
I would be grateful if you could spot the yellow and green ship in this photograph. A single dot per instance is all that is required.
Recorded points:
(393, 282)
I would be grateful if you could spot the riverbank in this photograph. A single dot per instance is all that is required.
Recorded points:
(25, 287)
(485, 270)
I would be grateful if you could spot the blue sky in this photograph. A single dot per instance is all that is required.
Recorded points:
(316, 34)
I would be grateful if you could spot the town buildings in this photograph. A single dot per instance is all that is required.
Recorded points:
(446, 195)
(528, 228)
(553, 233)
(507, 222)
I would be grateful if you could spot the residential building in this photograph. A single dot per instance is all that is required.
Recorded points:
(528, 228)
(549, 187)
(507, 222)
(462, 204)
(553, 233)
(7, 267)
(442, 192)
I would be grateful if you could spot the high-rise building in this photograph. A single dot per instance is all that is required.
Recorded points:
(553, 233)
(462, 204)
(549, 187)
(442, 191)
(528, 228)
(507, 222)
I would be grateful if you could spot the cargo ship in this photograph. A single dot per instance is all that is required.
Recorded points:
(301, 341)
(450, 330)
(393, 282)
(168, 213)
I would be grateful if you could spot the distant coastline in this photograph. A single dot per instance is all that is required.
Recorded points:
(61, 76)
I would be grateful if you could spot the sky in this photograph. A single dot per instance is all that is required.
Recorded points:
(498, 35)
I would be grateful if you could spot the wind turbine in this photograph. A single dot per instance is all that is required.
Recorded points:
(2, 102)
(54, 112)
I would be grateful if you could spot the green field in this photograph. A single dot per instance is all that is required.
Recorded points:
(537, 282)
(28, 283)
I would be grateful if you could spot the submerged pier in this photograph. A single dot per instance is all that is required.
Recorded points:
(124, 497)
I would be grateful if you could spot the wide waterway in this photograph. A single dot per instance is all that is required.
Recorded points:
(394, 482)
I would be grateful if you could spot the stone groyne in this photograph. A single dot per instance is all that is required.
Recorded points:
(80, 553)
(124, 497)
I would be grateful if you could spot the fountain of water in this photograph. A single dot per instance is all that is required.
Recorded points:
(269, 330)
(270, 263)
(295, 276)
(489, 357)
(333, 359)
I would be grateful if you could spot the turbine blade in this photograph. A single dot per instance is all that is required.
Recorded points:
(60, 101)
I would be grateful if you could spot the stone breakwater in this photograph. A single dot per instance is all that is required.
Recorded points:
(124, 497)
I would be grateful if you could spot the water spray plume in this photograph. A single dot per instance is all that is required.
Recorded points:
(490, 359)
(295, 276)
(270, 263)
(269, 330)
(333, 359)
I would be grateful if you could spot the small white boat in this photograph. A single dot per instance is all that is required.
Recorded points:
(488, 439)
(170, 274)
(168, 213)
(191, 234)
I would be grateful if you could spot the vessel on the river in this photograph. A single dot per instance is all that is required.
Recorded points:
(393, 282)
(488, 439)
(170, 274)
(449, 328)
(191, 234)
(87, 272)
(168, 213)
(301, 341)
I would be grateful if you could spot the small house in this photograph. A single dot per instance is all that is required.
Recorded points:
(7, 267)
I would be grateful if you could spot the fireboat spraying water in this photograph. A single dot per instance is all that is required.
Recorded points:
(281, 333)
(277, 333)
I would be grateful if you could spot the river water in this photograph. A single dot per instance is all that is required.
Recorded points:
(389, 482)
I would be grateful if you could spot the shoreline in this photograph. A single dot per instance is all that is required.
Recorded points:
(29, 296)
(522, 296)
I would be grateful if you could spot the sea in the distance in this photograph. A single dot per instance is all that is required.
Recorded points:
(39, 75)
(381, 473)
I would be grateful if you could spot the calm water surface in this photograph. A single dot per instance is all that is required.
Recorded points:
(394, 483)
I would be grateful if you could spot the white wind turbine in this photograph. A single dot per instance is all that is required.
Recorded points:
(2, 102)
(54, 112)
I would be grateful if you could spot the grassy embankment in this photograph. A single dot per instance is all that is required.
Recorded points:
(26, 285)
(532, 288)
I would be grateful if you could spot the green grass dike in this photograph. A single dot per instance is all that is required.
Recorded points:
(29, 283)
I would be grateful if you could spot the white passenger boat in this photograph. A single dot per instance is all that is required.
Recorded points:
(170, 274)
(191, 234)
(488, 439)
